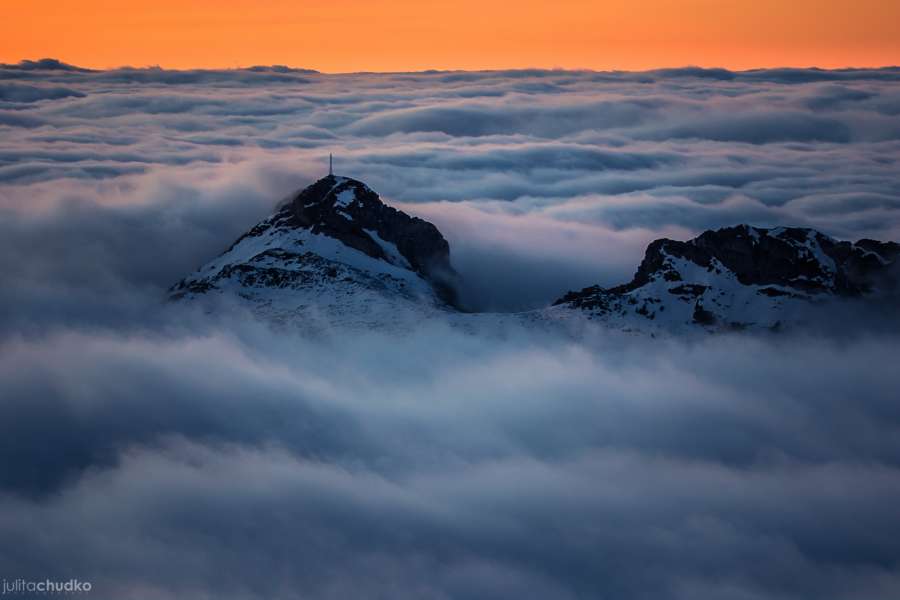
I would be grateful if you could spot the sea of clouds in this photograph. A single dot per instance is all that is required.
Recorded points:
(159, 452)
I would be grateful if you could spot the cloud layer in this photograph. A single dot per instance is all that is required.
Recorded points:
(636, 155)
(163, 453)
(246, 465)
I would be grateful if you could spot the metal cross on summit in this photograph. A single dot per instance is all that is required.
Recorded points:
(330, 169)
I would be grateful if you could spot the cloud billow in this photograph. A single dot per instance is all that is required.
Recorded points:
(161, 452)
(668, 152)
(614, 467)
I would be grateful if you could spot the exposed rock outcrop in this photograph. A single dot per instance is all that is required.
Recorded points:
(740, 276)
(333, 249)
(347, 210)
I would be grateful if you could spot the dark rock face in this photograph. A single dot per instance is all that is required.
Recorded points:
(347, 210)
(782, 256)
(789, 262)
(787, 256)
(703, 316)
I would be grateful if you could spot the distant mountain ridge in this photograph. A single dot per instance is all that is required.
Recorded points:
(335, 254)
(743, 276)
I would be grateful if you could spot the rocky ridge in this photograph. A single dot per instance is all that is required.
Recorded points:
(335, 254)
(332, 253)
(742, 276)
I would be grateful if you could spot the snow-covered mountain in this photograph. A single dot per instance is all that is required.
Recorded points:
(740, 277)
(332, 254)
(335, 254)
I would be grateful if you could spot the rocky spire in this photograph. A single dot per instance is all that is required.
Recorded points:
(348, 210)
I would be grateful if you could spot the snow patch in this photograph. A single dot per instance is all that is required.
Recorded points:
(865, 253)
(753, 233)
(390, 250)
(345, 198)
(815, 249)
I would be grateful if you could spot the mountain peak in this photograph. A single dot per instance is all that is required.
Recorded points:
(348, 210)
(334, 240)
(326, 191)
(743, 275)
(796, 257)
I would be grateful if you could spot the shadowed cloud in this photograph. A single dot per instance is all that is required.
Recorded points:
(161, 452)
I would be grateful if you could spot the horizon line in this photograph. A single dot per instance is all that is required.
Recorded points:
(63, 65)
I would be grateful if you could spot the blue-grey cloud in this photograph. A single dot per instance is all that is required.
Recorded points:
(161, 452)
(15, 92)
(43, 64)
(485, 119)
(762, 128)
(670, 149)
(248, 464)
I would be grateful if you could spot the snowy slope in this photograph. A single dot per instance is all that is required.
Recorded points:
(736, 278)
(320, 261)
(335, 255)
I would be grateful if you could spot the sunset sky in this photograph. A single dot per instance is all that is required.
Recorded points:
(355, 35)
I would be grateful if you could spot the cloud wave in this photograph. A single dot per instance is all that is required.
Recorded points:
(163, 453)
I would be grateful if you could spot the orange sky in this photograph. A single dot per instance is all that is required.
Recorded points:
(352, 35)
